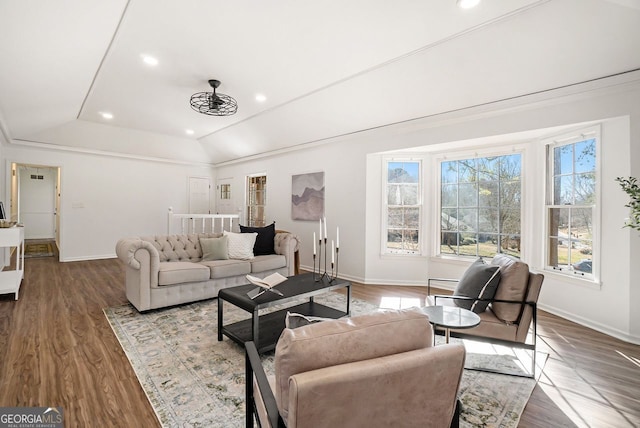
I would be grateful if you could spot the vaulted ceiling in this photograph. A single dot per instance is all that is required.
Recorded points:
(327, 68)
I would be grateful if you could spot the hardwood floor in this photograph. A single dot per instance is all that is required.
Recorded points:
(57, 349)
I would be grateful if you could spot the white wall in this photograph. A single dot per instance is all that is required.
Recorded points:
(353, 179)
(105, 198)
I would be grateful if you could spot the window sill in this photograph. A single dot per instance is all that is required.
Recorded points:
(391, 256)
(592, 283)
(455, 260)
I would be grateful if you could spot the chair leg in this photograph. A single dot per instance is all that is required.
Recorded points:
(455, 422)
(248, 393)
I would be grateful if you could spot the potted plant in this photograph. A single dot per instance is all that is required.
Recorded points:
(631, 188)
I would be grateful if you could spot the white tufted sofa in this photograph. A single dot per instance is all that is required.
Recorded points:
(167, 270)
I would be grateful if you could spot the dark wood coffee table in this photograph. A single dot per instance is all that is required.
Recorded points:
(264, 330)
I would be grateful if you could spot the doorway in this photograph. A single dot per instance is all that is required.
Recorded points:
(35, 202)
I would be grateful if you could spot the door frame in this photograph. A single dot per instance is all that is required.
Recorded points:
(11, 170)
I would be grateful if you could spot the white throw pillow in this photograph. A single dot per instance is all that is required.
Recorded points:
(241, 245)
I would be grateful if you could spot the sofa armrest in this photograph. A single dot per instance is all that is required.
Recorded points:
(287, 244)
(126, 251)
(142, 266)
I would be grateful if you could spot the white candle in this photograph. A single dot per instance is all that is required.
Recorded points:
(325, 228)
(314, 243)
(333, 252)
(337, 237)
(320, 228)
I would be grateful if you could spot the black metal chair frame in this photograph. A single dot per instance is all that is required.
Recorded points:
(509, 343)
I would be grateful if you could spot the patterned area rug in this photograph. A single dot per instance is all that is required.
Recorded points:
(192, 380)
(44, 249)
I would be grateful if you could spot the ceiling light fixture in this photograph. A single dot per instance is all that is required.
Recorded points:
(467, 4)
(149, 60)
(189, 131)
(213, 104)
(106, 115)
(261, 98)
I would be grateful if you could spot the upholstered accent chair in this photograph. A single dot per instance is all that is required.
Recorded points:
(508, 317)
(374, 370)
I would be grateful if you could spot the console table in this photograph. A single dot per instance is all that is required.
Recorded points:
(10, 280)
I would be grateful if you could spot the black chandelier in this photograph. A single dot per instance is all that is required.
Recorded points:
(214, 104)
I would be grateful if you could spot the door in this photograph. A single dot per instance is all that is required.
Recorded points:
(224, 195)
(37, 201)
(199, 195)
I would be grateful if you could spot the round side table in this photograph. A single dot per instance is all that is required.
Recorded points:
(449, 317)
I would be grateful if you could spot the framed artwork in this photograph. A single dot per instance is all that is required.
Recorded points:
(307, 196)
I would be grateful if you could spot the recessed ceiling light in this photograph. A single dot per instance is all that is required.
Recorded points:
(106, 115)
(189, 131)
(261, 98)
(149, 60)
(467, 4)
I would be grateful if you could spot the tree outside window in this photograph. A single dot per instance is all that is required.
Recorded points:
(403, 206)
(571, 201)
(480, 201)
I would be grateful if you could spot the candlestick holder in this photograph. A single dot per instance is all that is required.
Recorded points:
(331, 275)
(334, 273)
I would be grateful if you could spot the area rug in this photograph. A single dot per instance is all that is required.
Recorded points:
(192, 380)
(44, 249)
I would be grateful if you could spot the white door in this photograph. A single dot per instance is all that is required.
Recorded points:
(199, 195)
(37, 194)
(224, 197)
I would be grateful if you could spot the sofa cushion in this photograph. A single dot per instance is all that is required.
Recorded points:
(270, 262)
(480, 280)
(171, 273)
(264, 241)
(347, 340)
(215, 248)
(227, 268)
(514, 280)
(241, 245)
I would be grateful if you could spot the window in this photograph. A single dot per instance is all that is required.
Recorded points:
(571, 203)
(225, 191)
(256, 200)
(403, 207)
(480, 206)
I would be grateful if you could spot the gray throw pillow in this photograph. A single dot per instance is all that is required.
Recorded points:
(480, 280)
(214, 248)
(294, 320)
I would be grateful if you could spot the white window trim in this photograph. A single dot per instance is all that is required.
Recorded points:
(469, 153)
(559, 140)
(246, 193)
(384, 251)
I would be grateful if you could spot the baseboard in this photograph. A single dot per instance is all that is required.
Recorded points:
(618, 334)
(85, 258)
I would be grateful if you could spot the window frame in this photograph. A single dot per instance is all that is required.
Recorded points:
(251, 221)
(566, 139)
(384, 249)
(496, 151)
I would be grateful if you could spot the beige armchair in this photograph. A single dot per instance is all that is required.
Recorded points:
(374, 370)
(510, 318)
